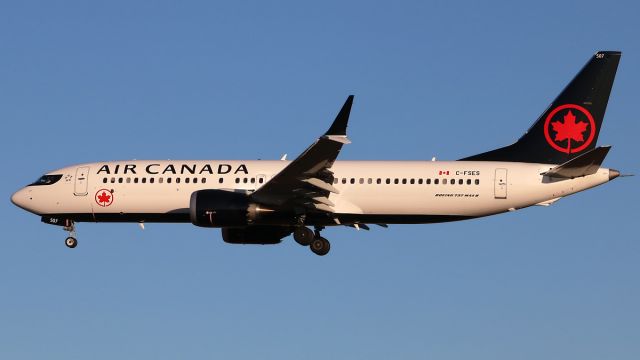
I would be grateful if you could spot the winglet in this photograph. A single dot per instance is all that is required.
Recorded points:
(339, 126)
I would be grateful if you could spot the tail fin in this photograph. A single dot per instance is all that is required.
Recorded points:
(569, 127)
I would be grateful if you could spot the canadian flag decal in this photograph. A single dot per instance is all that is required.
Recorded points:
(443, 172)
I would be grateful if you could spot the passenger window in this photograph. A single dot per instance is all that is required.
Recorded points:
(204, 180)
(388, 181)
(344, 180)
(177, 180)
(104, 180)
(169, 180)
(195, 180)
(220, 180)
(261, 180)
(396, 181)
(477, 181)
(160, 180)
(128, 180)
(436, 181)
(468, 181)
(370, 181)
(335, 180)
(135, 180)
(460, 181)
(453, 181)
(244, 180)
(120, 180)
(186, 180)
(237, 180)
(113, 180)
(378, 181)
(420, 181)
(428, 181)
(361, 181)
(144, 180)
(444, 181)
(353, 180)
(151, 180)
(412, 181)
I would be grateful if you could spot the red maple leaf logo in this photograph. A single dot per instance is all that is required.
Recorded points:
(104, 198)
(569, 129)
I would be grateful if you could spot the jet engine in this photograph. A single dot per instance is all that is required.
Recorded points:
(221, 208)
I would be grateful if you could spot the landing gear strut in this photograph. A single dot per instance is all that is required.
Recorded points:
(70, 241)
(320, 246)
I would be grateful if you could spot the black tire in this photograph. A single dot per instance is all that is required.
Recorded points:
(320, 246)
(71, 242)
(326, 247)
(303, 235)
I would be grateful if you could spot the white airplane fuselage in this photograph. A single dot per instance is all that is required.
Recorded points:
(262, 202)
(369, 191)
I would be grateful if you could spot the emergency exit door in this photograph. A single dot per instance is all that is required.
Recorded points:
(500, 184)
(82, 181)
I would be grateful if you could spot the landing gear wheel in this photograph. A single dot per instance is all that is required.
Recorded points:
(71, 242)
(303, 235)
(320, 246)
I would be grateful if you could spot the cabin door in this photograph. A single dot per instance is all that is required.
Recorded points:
(82, 181)
(500, 184)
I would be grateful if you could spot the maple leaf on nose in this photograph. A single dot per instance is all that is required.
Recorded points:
(104, 198)
(569, 129)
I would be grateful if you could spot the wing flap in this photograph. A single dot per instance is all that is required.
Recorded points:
(321, 185)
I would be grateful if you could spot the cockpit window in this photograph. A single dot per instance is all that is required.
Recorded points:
(47, 180)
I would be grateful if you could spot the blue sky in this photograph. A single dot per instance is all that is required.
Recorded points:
(88, 81)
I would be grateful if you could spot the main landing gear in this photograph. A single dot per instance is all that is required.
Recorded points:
(306, 237)
(71, 241)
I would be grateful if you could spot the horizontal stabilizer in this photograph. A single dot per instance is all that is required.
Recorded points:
(583, 165)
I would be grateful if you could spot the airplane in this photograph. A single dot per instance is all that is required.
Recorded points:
(264, 201)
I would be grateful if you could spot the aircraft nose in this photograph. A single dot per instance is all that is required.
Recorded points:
(20, 198)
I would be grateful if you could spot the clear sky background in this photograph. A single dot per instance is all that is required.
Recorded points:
(88, 81)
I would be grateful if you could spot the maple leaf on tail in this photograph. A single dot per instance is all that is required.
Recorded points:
(569, 129)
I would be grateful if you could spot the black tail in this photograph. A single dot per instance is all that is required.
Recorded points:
(570, 125)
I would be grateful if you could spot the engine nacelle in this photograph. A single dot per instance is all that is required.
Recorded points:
(262, 235)
(218, 208)
(221, 208)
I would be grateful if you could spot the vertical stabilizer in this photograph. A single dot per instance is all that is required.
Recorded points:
(570, 126)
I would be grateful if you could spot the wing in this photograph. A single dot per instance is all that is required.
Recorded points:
(306, 183)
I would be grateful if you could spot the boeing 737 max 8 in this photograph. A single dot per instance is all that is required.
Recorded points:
(261, 202)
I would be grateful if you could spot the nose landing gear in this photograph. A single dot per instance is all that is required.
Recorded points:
(70, 241)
